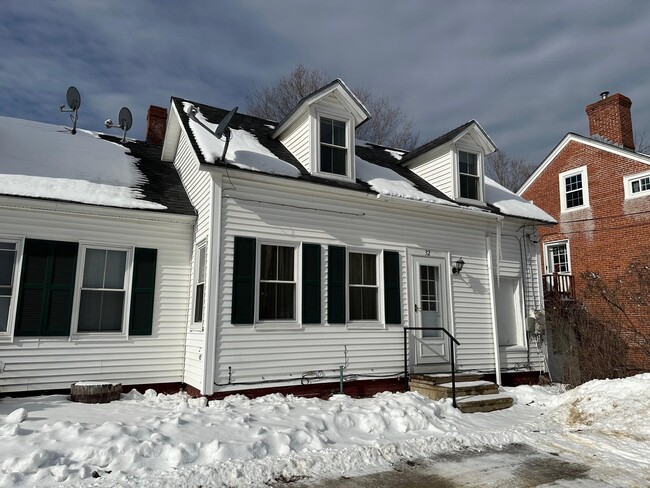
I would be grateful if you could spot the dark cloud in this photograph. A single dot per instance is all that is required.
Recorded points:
(525, 70)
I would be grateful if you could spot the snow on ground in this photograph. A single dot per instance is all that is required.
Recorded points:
(175, 440)
(47, 161)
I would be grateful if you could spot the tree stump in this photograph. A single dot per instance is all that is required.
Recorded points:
(93, 392)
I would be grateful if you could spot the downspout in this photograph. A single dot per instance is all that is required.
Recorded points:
(495, 332)
(210, 333)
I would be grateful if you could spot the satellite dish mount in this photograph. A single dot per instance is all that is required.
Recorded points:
(222, 128)
(73, 98)
(126, 121)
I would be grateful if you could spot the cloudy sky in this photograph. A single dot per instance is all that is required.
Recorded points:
(524, 69)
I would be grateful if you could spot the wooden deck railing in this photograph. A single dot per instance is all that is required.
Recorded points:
(562, 284)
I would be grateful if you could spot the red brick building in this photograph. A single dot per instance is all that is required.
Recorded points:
(598, 190)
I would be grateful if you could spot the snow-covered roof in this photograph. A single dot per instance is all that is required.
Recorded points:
(47, 161)
(253, 148)
(512, 204)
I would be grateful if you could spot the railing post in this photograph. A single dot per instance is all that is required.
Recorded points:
(453, 372)
(406, 366)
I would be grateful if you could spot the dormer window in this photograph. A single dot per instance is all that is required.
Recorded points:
(333, 147)
(469, 176)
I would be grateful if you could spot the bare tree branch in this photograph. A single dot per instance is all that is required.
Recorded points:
(508, 172)
(389, 126)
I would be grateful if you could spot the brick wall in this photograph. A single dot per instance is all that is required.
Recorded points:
(608, 235)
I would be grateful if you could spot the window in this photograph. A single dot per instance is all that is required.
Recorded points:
(103, 290)
(573, 189)
(557, 258)
(8, 253)
(199, 288)
(469, 176)
(637, 185)
(333, 147)
(363, 288)
(277, 283)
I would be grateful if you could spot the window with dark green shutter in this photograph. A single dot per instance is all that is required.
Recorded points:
(143, 291)
(311, 283)
(243, 287)
(392, 291)
(46, 288)
(336, 285)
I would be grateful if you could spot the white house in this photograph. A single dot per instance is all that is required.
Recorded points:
(313, 251)
(300, 258)
(95, 241)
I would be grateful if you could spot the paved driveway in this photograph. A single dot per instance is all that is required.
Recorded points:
(514, 466)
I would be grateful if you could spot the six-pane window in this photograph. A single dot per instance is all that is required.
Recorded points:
(641, 185)
(277, 291)
(469, 178)
(559, 258)
(363, 288)
(333, 150)
(7, 263)
(101, 306)
(573, 191)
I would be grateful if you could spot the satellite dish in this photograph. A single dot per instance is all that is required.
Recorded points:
(74, 101)
(223, 125)
(73, 97)
(125, 118)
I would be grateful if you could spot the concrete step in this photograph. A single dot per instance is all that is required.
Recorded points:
(438, 378)
(463, 388)
(483, 403)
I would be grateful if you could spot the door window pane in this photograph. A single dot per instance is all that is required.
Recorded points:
(429, 300)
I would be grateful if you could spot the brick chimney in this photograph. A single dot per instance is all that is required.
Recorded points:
(611, 118)
(156, 124)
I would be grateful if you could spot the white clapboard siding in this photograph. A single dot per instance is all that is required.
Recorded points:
(436, 170)
(283, 210)
(296, 140)
(517, 246)
(43, 363)
(198, 185)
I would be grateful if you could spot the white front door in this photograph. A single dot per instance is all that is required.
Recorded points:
(430, 302)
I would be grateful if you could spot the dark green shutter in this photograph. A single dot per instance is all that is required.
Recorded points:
(243, 281)
(143, 289)
(46, 288)
(336, 285)
(392, 294)
(311, 284)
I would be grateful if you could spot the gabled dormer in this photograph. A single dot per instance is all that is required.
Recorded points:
(454, 162)
(320, 131)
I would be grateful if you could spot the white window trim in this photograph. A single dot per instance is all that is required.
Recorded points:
(297, 273)
(128, 277)
(582, 170)
(198, 326)
(380, 323)
(547, 264)
(481, 173)
(316, 114)
(8, 335)
(627, 183)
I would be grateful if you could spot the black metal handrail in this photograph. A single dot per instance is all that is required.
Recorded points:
(452, 341)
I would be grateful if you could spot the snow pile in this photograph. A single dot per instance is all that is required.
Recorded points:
(613, 406)
(387, 182)
(176, 441)
(47, 161)
(244, 150)
(512, 204)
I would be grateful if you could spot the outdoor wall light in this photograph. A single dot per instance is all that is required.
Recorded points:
(458, 267)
